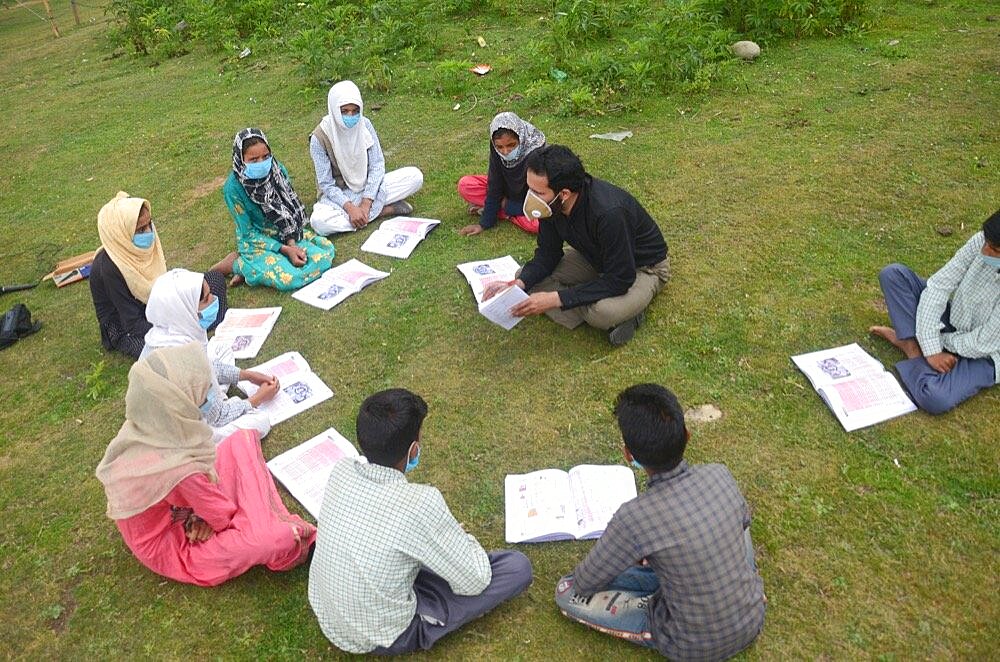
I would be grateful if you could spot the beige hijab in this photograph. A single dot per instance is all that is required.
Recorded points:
(163, 439)
(116, 226)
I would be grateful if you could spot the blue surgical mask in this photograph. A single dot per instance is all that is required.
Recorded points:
(636, 464)
(991, 261)
(209, 400)
(412, 463)
(144, 239)
(259, 169)
(511, 155)
(351, 121)
(206, 316)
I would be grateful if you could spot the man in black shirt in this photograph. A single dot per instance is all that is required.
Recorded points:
(616, 261)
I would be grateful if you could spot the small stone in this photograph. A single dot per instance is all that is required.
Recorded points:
(944, 230)
(703, 414)
(746, 50)
(893, 42)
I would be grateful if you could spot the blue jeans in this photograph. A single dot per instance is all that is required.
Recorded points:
(621, 609)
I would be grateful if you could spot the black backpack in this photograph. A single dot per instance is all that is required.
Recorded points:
(16, 324)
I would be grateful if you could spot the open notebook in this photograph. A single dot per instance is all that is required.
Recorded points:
(854, 385)
(304, 469)
(397, 237)
(338, 283)
(300, 388)
(552, 504)
(483, 273)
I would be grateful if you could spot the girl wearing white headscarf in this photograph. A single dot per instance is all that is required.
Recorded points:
(179, 307)
(189, 510)
(129, 261)
(500, 193)
(354, 187)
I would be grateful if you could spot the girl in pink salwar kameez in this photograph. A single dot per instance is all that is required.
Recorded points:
(189, 510)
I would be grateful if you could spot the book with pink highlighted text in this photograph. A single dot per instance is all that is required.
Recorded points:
(854, 385)
(304, 469)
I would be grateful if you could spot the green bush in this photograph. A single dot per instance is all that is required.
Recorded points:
(608, 53)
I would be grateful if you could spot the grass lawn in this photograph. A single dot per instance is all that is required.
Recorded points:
(781, 193)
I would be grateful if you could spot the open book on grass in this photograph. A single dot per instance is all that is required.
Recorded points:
(854, 385)
(397, 237)
(300, 387)
(304, 469)
(244, 330)
(551, 504)
(484, 273)
(338, 283)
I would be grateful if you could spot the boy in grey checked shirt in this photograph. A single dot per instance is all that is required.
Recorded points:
(674, 570)
(949, 325)
(393, 571)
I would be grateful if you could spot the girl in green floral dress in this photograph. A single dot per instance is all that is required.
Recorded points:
(274, 246)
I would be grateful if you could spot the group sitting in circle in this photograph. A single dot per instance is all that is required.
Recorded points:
(393, 571)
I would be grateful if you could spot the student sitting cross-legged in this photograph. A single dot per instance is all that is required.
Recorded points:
(949, 325)
(393, 571)
(674, 570)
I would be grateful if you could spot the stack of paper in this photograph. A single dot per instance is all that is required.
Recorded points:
(397, 237)
(338, 283)
(304, 470)
(244, 330)
(300, 388)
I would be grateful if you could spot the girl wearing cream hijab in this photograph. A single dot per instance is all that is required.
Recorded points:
(354, 187)
(123, 271)
(180, 308)
(189, 510)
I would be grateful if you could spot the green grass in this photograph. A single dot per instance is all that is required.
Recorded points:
(781, 193)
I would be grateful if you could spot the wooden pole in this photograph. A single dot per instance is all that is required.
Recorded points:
(48, 12)
(76, 11)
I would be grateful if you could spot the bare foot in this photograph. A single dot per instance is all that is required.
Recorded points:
(237, 280)
(910, 347)
(225, 265)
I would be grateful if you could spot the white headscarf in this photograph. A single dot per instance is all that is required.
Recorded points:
(350, 146)
(172, 309)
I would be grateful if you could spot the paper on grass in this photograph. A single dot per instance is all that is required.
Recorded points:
(551, 504)
(244, 330)
(855, 385)
(300, 388)
(338, 283)
(483, 273)
(397, 237)
(305, 469)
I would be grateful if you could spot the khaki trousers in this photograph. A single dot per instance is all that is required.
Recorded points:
(573, 269)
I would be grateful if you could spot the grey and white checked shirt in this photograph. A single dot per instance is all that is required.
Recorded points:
(226, 410)
(688, 525)
(974, 291)
(376, 532)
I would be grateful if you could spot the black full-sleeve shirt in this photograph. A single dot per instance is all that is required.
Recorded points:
(121, 316)
(611, 230)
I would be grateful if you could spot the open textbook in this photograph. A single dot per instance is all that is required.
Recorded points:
(397, 237)
(854, 385)
(300, 388)
(244, 330)
(338, 283)
(304, 470)
(483, 273)
(551, 504)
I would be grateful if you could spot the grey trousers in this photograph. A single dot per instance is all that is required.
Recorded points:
(573, 269)
(933, 392)
(440, 610)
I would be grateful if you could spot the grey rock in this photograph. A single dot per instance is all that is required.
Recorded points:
(746, 50)
(703, 414)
